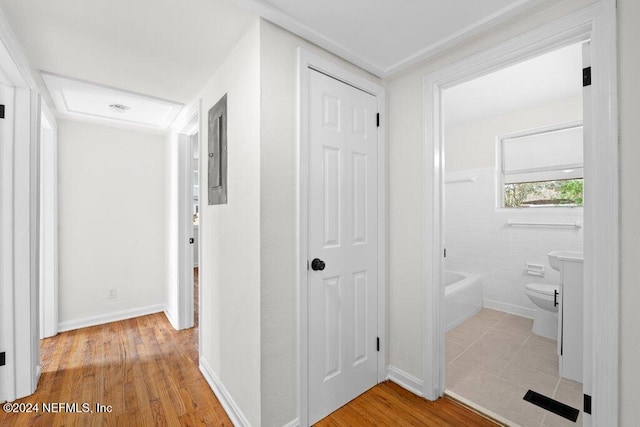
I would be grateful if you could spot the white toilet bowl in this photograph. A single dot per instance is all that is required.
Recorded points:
(544, 297)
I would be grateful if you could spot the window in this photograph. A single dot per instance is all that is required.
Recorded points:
(542, 167)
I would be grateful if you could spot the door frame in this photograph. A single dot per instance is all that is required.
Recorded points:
(310, 61)
(19, 224)
(189, 126)
(48, 224)
(598, 23)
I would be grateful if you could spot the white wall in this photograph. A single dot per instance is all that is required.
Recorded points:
(230, 233)
(479, 241)
(477, 238)
(472, 145)
(248, 317)
(406, 181)
(278, 293)
(112, 222)
(278, 216)
(629, 93)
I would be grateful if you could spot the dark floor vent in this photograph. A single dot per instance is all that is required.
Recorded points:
(552, 405)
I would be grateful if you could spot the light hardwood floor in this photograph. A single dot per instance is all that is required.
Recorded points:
(142, 367)
(148, 372)
(388, 404)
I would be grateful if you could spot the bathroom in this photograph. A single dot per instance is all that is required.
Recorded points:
(513, 194)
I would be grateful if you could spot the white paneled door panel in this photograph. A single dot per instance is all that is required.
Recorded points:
(342, 235)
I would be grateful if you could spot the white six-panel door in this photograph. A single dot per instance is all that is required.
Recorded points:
(342, 233)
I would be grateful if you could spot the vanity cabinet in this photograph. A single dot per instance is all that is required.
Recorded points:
(570, 318)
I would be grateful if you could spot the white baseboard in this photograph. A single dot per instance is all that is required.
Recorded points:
(70, 325)
(405, 380)
(479, 408)
(228, 404)
(293, 423)
(510, 308)
(170, 319)
(37, 375)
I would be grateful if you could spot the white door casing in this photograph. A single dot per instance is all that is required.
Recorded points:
(48, 225)
(7, 378)
(19, 222)
(185, 221)
(181, 313)
(596, 23)
(342, 232)
(19, 246)
(307, 62)
(587, 307)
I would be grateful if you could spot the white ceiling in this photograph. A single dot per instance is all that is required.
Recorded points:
(168, 49)
(83, 100)
(162, 48)
(384, 36)
(554, 76)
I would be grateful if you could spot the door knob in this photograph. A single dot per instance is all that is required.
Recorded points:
(317, 264)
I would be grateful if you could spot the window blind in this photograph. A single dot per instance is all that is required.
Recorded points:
(544, 156)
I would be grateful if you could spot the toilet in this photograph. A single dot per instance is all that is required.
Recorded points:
(544, 297)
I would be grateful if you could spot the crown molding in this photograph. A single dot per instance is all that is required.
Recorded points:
(283, 19)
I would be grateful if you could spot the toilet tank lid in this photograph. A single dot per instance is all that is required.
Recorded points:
(543, 288)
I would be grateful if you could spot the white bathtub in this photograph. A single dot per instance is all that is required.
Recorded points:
(463, 298)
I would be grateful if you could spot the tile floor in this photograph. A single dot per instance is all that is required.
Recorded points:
(493, 358)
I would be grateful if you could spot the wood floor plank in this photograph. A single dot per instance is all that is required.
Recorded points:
(149, 373)
(388, 404)
(142, 367)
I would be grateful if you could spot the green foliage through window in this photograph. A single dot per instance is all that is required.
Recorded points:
(544, 193)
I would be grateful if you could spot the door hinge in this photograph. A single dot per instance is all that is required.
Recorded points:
(3, 359)
(586, 407)
(377, 119)
(378, 343)
(587, 404)
(445, 252)
(1, 111)
(586, 77)
(307, 265)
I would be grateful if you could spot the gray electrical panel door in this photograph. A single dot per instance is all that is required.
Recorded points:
(217, 154)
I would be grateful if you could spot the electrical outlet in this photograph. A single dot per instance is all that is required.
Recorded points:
(112, 293)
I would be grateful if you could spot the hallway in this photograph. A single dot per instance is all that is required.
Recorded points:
(142, 367)
(100, 111)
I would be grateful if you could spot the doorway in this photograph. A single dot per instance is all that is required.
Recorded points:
(188, 221)
(597, 24)
(341, 237)
(513, 193)
(19, 225)
(343, 244)
(48, 225)
(195, 210)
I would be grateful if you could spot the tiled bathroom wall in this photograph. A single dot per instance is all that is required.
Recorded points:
(479, 241)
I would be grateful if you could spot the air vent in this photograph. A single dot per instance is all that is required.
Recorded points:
(118, 108)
